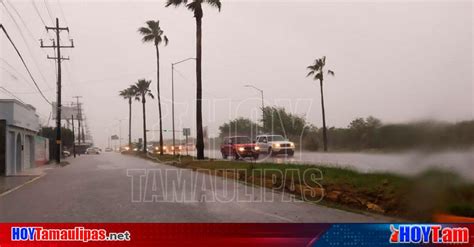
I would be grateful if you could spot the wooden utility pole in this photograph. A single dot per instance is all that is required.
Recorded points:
(79, 117)
(73, 137)
(57, 45)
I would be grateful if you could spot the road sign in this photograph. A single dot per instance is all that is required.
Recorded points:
(186, 131)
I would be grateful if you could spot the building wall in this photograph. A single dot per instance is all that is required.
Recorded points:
(3, 146)
(19, 125)
(41, 150)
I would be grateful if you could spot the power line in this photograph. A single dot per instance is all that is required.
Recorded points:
(16, 97)
(18, 74)
(49, 11)
(62, 12)
(26, 43)
(38, 13)
(9, 72)
(18, 14)
(24, 64)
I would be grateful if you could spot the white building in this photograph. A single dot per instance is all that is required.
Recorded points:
(19, 125)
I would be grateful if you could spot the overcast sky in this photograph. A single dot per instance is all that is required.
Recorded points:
(398, 61)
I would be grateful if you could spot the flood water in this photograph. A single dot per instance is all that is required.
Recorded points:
(406, 163)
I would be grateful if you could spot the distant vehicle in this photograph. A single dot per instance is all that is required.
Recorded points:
(66, 153)
(178, 148)
(189, 146)
(275, 144)
(93, 150)
(108, 150)
(239, 147)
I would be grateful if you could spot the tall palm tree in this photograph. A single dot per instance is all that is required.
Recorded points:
(153, 33)
(196, 7)
(129, 94)
(142, 90)
(317, 71)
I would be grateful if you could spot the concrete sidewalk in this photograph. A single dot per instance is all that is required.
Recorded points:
(9, 183)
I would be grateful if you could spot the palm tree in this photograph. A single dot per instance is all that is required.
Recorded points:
(153, 33)
(317, 71)
(142, 89)
(129, 94)
(196, 7)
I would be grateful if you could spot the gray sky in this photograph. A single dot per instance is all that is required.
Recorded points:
(398, 61)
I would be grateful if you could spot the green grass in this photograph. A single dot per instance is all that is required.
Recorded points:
(417, 197)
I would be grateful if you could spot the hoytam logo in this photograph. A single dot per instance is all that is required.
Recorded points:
(434, 234)
(76, 234)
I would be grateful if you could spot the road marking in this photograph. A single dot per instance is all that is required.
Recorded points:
(20, 186)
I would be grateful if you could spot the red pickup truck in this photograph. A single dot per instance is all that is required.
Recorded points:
(239, 147)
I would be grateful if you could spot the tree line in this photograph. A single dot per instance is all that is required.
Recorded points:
(360, 134)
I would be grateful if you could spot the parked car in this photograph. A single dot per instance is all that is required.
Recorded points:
(93, 150)
(239, 147)
(275, 144)
(108, 150)
(66, 153)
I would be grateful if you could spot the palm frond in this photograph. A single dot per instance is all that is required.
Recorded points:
(330, 72)
(310, 73)
(312, 67)
(318, 76)
(194, 6)
(215, 3)
(152, 24)
(175, 3)
(166, 40)
(144, 31)
(148, 38)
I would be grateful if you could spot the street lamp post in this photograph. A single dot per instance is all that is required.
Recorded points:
(172, 97)
(263, 105)
(120, 132)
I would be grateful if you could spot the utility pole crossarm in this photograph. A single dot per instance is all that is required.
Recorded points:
(57, 28)
(56, 58)
(57, 46)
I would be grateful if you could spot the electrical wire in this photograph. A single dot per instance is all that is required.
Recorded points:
(26, 43)
(49, 11)
(62, 13)
(23, 61)
(38, 13)
(16, 97)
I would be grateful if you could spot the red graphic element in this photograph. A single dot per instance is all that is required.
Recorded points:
(394, 236)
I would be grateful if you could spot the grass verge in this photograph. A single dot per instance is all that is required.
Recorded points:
(414, 198)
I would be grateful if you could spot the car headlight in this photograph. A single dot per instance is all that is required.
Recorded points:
(127, 148)
(292, 144)
(157, 148)
(257, 148)
(241, 149)
(277, 145)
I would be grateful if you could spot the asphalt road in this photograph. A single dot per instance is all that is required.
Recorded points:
(96, 188)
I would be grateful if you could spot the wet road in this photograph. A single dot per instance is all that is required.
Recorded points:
(96, 188)
(406, 163)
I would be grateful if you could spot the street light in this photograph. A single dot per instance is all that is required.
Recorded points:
(172, 96)
(120, 132)
(263, 106)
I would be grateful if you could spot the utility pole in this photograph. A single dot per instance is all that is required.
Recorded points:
(57, 45)
(120, 132)
(79, 116)
(73, 137)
